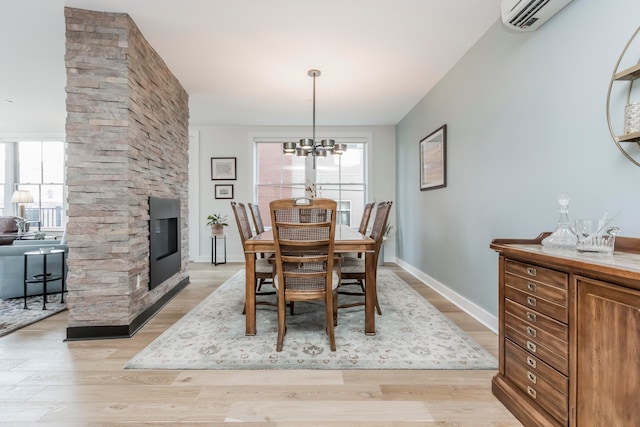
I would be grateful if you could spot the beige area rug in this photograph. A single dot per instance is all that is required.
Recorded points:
(410, 334)
(13, 316)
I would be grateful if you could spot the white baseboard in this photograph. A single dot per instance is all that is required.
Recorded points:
(473, 310)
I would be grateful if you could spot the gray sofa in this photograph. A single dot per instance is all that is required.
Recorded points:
(12, 267)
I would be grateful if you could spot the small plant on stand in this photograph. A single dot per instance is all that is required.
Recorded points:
(217, 223)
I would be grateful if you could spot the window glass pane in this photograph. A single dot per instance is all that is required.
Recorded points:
(278, 176)
(41, 172)
(350, 199)
(276, 168)
(51, 206)
(342, 178)
(53, 162)
(347, 168)
(29, 162)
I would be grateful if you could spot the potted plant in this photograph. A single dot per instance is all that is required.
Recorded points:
(217, 223)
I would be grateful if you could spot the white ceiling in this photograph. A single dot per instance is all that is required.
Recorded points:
(245, 62)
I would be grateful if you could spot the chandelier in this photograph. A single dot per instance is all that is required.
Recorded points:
(307, 146)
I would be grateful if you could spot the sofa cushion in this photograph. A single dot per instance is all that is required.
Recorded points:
(8, 224)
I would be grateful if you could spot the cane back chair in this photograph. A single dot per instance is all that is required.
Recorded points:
(354, 268)
(304, 235)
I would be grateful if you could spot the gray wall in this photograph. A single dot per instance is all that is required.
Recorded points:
(526, 118)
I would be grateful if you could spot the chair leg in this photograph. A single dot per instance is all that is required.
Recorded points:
(282, 312)
(375, 301)
(335, 307)
(330, 319)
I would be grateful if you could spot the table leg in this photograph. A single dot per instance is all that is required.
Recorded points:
(250, 294)
(44, 282)
(25, 283)
(63, 283)
(369, 300)
(215, 250)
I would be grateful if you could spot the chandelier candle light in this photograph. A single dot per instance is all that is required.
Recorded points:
(308, 146)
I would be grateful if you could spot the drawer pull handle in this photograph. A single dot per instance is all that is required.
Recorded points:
(531, 362)
(531, 346)
(531, 377)
(531, 332)
(531, 301)
(531, 317)
(531, 271)
(531, 286)
(531, 391)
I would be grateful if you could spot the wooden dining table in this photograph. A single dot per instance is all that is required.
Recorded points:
(347, 240)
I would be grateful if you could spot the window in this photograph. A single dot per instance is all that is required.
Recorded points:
(39, 168)
(336, 177)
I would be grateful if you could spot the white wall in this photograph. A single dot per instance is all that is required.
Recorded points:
(526, 120)
(237, 141)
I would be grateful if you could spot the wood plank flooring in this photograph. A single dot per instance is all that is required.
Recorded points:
(45, 381)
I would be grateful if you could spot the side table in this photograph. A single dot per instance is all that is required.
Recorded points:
(45, 277)
(214, 248)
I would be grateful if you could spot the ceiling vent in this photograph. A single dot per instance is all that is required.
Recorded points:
(529, 15)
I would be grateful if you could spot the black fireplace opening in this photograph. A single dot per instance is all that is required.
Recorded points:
(164, 239)
(166, 232)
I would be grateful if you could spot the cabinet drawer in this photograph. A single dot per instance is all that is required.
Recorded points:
(541, 305)
(553, 278)
(535, 324)
(543, 384)
(539, 338)
(538, 367)
(538, 289)
(556, 359)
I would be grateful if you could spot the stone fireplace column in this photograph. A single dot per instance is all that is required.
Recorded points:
(127, 140)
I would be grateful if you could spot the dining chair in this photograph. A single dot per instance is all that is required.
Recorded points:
(366, 214)
(257, 222)
(353, 271)
(364, 221)
(257, 217)
(304, 236)
(264, 268)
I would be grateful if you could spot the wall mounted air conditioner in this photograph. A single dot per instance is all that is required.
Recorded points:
(529, 15)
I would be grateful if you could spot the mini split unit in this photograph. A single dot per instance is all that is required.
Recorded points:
(529, 15)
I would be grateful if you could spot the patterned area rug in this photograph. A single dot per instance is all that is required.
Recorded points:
(14, 317)
(410, 334)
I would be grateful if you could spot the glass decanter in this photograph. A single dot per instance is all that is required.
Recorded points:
(563, 237)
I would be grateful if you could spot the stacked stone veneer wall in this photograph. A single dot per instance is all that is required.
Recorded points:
(127, 139)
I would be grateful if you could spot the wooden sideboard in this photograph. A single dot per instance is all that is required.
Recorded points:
(569, 331)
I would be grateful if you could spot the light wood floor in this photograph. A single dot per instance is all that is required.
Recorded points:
(45, 381)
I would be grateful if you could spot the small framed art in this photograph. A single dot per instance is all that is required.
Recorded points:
(224, 191)
(223, 168)
(433, 160)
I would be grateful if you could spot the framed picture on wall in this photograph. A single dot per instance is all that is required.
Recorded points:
(223, 168)
(433, 160)
(224, 191)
